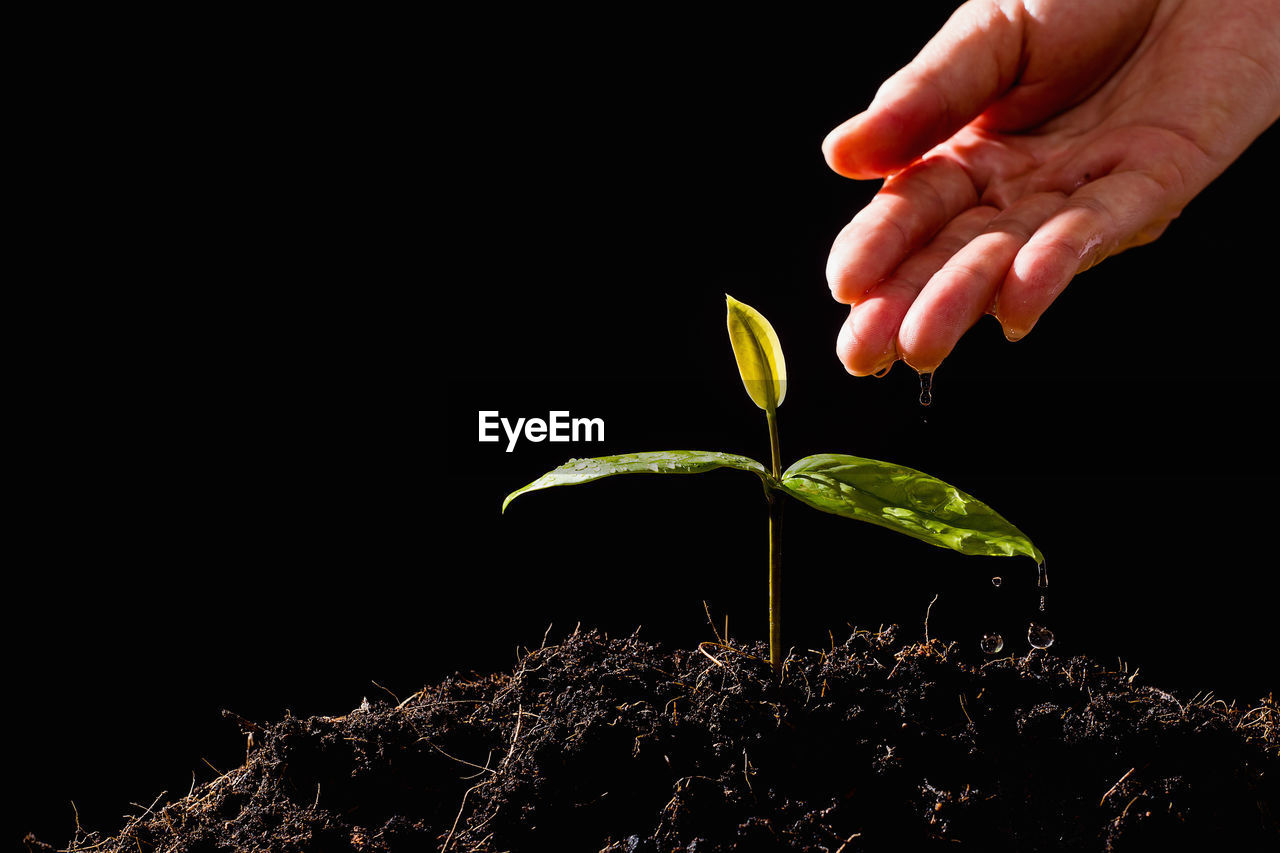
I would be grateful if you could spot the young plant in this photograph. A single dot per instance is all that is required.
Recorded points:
(901, 499)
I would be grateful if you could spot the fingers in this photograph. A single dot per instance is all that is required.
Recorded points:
(964, 287)
(868, 341)
(1012, 263)
(1101, 219)
(971, 62)
(909, 210)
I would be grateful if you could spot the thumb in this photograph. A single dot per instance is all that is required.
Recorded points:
(973, 60)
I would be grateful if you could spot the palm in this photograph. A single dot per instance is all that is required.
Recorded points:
(1106, 128)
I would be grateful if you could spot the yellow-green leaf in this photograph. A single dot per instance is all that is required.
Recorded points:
(759, 354)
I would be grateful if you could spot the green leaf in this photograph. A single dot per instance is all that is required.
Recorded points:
(759, 354)
(904, 500)
(653, 462)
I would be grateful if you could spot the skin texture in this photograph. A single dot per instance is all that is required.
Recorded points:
(1027, 142)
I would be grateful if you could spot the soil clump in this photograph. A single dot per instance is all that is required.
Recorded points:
(599, 744)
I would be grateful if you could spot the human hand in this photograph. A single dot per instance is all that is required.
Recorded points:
(1027, 142)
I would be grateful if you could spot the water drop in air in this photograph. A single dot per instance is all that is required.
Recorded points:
(991, 643)
(926, 389)
(997, 580)
(1039, 636)
(1042, 581)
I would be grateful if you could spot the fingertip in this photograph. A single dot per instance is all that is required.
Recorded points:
(860, 148)
(840, 149)
(1013, 333)
(865, 344)
(919, 353)
(845, 349)
(936, 320)
(1038, 275)
(849, 264)
(846, 286)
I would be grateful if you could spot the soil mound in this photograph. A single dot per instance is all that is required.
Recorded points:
(601, 744)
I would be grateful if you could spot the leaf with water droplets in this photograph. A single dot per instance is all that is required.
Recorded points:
(904, 500)
(653, 462)
(759, 354)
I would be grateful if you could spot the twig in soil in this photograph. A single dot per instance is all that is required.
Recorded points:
(148, 809)
(840, 849)
(248, 725)
(715, 660)
(80, 833)
(720, 638)
(1266, 722)
(926, 619)
(483, 769)
(727, 648)
(515, 736)
(416, 695)
(388, 692)
(463, 805)
(1116, 785)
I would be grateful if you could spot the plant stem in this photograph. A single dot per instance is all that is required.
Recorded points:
(775, 585)
(775, 453)
(775, 553)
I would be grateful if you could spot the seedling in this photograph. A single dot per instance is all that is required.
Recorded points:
(901, 499)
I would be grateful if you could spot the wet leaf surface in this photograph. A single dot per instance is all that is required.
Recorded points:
(577, 471)
(904, 500)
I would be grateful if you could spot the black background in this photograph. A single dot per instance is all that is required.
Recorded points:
(272, 279)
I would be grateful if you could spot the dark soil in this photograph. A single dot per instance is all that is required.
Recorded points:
(601, 744)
